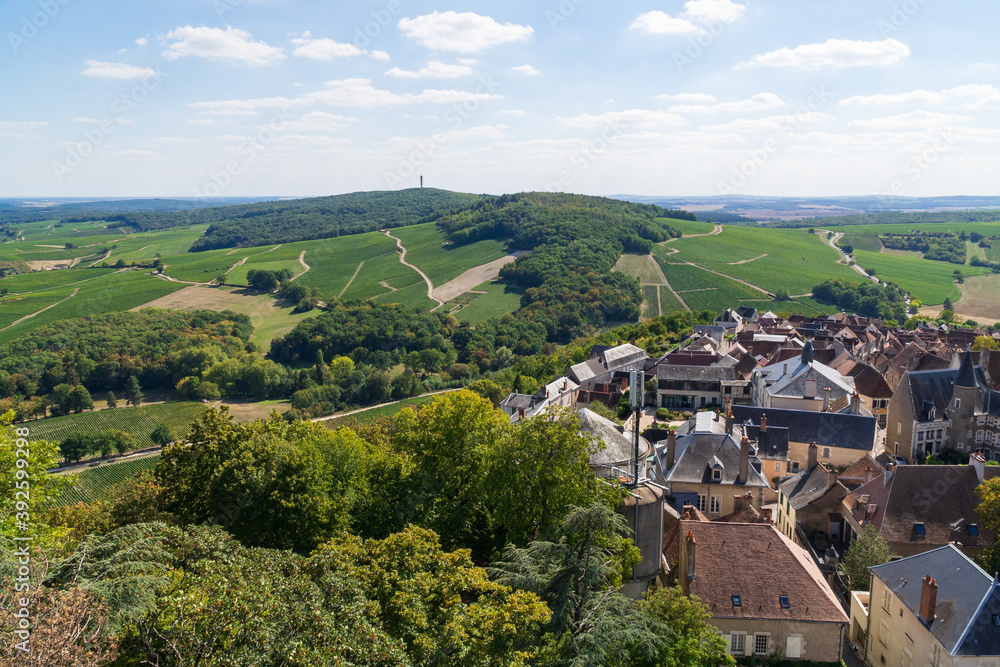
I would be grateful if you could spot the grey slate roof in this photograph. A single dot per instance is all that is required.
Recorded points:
(965, 595)
(772, 443)
(698, 452)
(696, 373)
(930, 389)
(617, 445)
(826, 429)
(806, 487)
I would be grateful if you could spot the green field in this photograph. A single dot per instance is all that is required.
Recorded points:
(498, 300)
(641, 267)
(688, 227)
(650, 302)
(138, 422)
(428, 248)
(702, 290)
(984, 228)
(930, 282)
(110, 293)
(238, 276)
(353, 267)
(860, 241)
(773, 258)
(369, 416)
(93, 484)
(668, 302)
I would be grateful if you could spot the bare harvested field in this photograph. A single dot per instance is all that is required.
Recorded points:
(980, 299)
(469, 280)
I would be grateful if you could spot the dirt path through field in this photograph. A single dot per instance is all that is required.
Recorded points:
(715, 232)
(39, 312)
(747, 261)
(844, 259)
(666, 283)
(380, 405)
(351, 281)
(402, 260)
(305, 267)
(473, 278)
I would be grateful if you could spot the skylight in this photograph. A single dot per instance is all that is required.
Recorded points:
(783, 599)
(737, 600)
(919, 528)
(974, 530)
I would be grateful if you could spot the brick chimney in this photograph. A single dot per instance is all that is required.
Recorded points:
(869, 474)
(743, 502)
(855, 404)
(744, 460)
(978, 463)
(928, 598)
(826, 399)
(813, 459)
(763, 424)
(889, 471)
(831, 476)
(671, 448)
(687, 562)
(729, 422)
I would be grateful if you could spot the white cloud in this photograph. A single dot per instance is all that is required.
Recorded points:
(986, 95)
(835, 53)
(477, 133)
(911, 97)
(758, 102)
(142, 41)
(913, 119)
(319, 121)
(217, 44)
(517, 113)
(324, 49)
(361, 93)
(116, 70)
(201, 121)
(687, 98)
(661, 23)
(527, 70)
(635, 118)
(245, 107)
(462, 32)
(82, 119)
(435, 70)
(138, 152)
(708, 11)
(16, 125)
(379, 55)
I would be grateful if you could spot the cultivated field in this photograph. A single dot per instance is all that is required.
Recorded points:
(930, 282)
(493, 299)
(94, 484)
(138, 422)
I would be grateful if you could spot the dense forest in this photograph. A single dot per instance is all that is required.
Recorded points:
(938, 246)
(445, 537)
(870, 299)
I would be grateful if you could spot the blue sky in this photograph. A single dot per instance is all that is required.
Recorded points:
(308, 97)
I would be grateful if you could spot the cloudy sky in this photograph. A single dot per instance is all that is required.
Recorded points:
(657, 97)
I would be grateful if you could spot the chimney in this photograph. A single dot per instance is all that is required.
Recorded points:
(813, 457)
(888, 474)
(928, 598)
(671, 448)
(826, 399)
(831, 479)
(869, 474)
(978, 463)
(855, 404)
(743, 502)
(763, 423)
(729, 422)
(784, 369)
(687, 562)
(744, 460)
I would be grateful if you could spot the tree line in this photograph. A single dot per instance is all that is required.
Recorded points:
(870, 299)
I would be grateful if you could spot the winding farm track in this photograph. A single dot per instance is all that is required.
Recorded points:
(402, 260)
(844, 259)
(666, 283)
(39, 312)
(306, 267)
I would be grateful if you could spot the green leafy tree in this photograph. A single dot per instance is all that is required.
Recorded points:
(989, 515)
(577, 575)
(867, 550)
(26, 486)
(489, 390)
(694, 641)
(133, 392)
(81, 399)
(112, 400)
(161, 435)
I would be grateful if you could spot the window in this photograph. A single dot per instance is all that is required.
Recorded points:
(996, 620)
(899, 428)
(958, 403)
(920, 436)
(737, 643)
(936, 655)
(981, 419)
(979, 437)
(793, 466)
(777, 466)
(883, 633)
(919, 529)
(737, 600)
(716, 475)
(826, 452)
(701, 502)
(716, 505)
(974, 530)
(783, 601)
(793, 646)
(886, 600)
(907, 659)
(761, 643)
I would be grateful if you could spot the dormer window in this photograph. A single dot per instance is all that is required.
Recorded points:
(716, 475)
(958, 403)
(933, 414)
